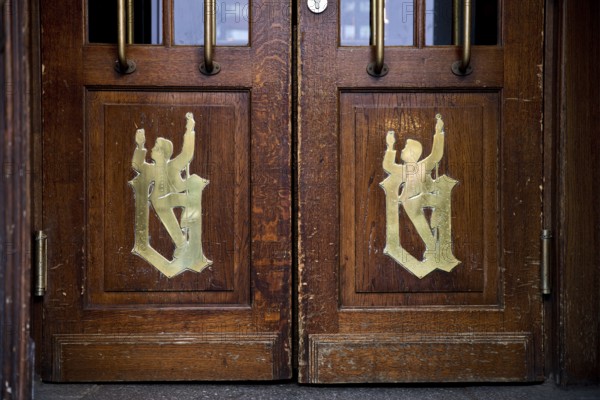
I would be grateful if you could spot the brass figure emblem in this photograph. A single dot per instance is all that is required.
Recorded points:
(410, 185)
(166, 184)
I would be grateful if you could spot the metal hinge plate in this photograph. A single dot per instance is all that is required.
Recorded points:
(546, 264)
(41, 264)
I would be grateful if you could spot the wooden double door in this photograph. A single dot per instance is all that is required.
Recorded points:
(192, 228)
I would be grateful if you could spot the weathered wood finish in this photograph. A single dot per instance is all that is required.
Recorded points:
(191, 357)
(578, 236)
(469, 157)
(233, 318)
(550, 193)
(392, 358)
(221, 153)
(368, 309)
(15, 219)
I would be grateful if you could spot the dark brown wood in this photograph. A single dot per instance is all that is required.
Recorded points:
(222, 141)
(391, 358)
(428, 66)
(233, 318)
(470, 158)
(36, 167)
(191, 357)
(356, 307)
(571, 68)
(15, 236)
(579, 189)
(550, 193)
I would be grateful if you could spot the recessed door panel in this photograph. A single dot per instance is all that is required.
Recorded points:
(221, 156)
(469, 157)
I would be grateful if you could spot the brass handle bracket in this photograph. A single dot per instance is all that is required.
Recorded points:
(216, 68)
(129, 67)
(378, 68)
(209, 66)
(371, 70)
(123, 65)
(458, 69)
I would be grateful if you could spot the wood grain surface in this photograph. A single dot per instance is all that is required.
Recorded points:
(243, 143)
(16, 347)
(578, 236)
(346, 286)
(471, 126)
(365, 320)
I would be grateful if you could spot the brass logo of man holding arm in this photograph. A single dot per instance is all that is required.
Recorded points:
(411, 186)
(161, 184)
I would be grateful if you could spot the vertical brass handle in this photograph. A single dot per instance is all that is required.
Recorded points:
(456, 21)
(130, 19)
(373, 6)
(377, 68)
(123, 65)
(462, 67)
(209, 66)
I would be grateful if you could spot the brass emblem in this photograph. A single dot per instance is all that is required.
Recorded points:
(410, 185)
(161, 184)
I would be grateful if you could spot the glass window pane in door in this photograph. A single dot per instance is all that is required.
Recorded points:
(232, 22)
(146, 22)
(444, 22)
(355, 25)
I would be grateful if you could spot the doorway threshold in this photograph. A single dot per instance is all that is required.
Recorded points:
(291, 390)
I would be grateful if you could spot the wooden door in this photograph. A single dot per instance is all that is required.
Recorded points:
(419, 257)
(166, 193)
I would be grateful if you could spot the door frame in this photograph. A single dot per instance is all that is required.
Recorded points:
(561, 329)
(16, 351)
(571, 132)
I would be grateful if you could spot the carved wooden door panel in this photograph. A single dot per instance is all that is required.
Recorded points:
(419, 193)
(166, 192)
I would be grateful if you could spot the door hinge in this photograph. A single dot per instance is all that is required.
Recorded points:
(546, 263)
(41, 264)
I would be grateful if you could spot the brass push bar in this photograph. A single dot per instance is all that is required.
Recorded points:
(373, 5)
(456, 21)
(462, 67)
(378, 68)
(209, 66)
(130, 20)
(123, 65)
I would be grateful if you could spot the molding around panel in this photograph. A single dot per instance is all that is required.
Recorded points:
(211, 356)
(464, 357)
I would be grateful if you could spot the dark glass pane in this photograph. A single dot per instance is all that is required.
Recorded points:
(232, 22)
(147, 21)
(444, 22)
(355, 29)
